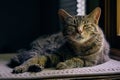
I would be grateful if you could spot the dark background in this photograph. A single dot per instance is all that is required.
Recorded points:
(22, 21)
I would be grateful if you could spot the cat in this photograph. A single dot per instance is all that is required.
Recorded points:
(81, 43)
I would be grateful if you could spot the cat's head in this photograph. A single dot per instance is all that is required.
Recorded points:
(79, 29)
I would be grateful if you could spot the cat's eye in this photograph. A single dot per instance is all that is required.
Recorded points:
(88, 27)
(71, 22)
(70, 30)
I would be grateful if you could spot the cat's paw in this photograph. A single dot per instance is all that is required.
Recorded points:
(61, 65)
(19, 69)
(35, 68)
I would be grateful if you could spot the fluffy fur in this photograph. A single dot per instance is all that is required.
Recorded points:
(81, 43)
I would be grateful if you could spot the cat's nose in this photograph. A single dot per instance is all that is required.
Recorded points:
(79, 29)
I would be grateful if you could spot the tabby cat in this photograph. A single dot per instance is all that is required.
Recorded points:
(81, 43)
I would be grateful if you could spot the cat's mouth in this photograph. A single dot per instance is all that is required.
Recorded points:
(79, 39)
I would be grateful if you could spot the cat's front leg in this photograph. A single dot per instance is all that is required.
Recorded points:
(71, 63)
(34, 64)
(19, 69)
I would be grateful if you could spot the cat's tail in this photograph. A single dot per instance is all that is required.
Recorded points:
(20, 58)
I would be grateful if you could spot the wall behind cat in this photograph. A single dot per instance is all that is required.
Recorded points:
(22, 21)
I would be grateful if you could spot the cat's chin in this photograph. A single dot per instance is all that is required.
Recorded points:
(79, 41)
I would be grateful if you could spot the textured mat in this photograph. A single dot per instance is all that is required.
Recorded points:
(110, 69)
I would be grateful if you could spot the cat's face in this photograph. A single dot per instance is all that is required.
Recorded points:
(80, 29)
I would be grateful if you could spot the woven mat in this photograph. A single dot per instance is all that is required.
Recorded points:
(109, 69)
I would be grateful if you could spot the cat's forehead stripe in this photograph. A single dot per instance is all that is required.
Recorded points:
(80, 18)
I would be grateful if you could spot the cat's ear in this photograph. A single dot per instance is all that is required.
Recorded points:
(95, 14)
(63, 14)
